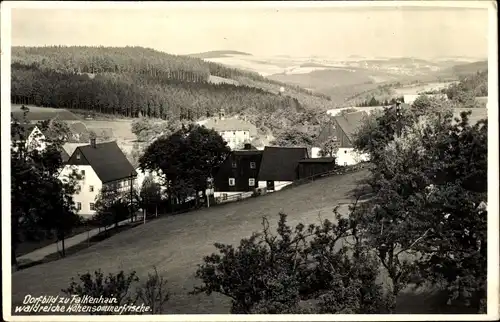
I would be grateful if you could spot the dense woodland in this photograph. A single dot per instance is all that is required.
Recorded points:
(470, 86)
(135, 81)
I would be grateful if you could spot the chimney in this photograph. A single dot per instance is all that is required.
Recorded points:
(92, 143)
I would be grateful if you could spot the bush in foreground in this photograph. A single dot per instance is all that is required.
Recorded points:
(153, 293)
(315, 269)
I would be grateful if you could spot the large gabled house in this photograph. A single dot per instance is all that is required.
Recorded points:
(235, 131)
(279, 166)
(99, 165)
(238, 173)
(342, 128)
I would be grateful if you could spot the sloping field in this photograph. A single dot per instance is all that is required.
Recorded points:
(37, 113)
(121, 129)
(175, 245)
(410, 90)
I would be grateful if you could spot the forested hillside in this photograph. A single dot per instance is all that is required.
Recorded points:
(130, 81)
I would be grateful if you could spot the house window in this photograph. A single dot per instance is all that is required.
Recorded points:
(251, 182)
(91, 188)
(345, 151)
(253, 165)
(224, 196)
(232, 182)
(78, 189)
(83, 172)
(234, 165)
(92, 206)
(78, 156)
(78, 206)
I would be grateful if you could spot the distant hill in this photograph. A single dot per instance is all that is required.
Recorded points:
(135, 81)
(335, 76)
(469, 68)
(218, 54)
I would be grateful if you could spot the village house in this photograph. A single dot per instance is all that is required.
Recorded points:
(34, 139)
(238, 173)
(279, 167)
(99, 165)
(236, 132)
(31, 136)
(342, 128)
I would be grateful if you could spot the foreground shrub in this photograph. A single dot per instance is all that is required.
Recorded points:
(152, 293)
(319, 269)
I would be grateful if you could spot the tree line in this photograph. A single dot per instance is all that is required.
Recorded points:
(170, 99)
(375, 102)
(133, 60)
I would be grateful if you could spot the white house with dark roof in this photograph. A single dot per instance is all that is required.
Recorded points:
(342, 128)
(236, 132)
(99, 165)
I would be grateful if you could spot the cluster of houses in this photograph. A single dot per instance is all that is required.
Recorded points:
(246, 169)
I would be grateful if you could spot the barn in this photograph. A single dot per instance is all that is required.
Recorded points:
(315, 166)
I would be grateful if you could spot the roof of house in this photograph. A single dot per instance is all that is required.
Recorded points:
(26, 129)
(318, 160)
(248, 147)
(64, 156)
(247, 152)
(71, 147)
(108, 161)
(230, 124)
(326, 131)
(350, 122)
(280, 163)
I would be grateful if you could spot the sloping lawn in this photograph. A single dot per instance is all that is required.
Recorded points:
(176, 244)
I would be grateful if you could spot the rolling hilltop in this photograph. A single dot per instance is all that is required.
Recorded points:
(218, 54)
(133, 81)
(345, 80)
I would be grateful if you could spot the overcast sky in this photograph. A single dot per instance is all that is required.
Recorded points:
(333, 32)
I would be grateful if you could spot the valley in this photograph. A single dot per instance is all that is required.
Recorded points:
(115, 86)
